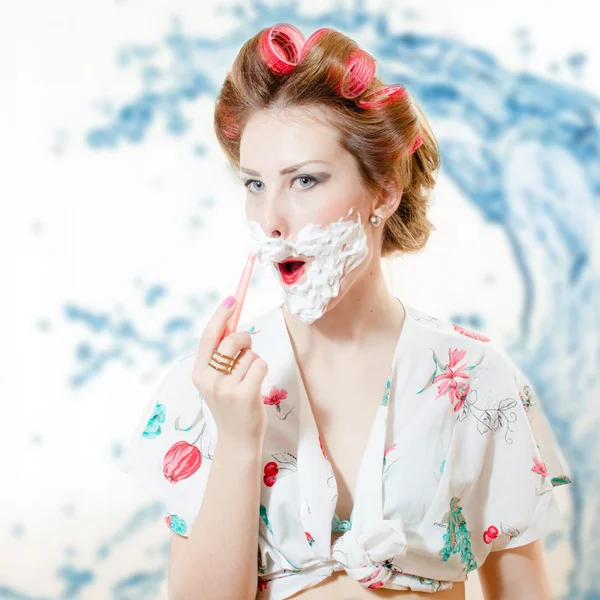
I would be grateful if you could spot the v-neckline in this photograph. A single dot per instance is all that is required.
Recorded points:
(309, 487)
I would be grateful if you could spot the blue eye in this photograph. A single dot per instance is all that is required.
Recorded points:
(247, 183)
(309, 177)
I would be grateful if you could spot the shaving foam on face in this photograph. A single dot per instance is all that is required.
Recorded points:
(338, 248)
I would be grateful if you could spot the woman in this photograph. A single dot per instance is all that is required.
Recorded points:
(364, 448)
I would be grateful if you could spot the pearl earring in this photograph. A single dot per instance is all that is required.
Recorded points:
(375, 220)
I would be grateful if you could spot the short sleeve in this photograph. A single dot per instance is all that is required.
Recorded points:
(512, 501)
(170, 451)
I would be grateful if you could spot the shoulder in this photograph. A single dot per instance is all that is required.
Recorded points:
(443, 327)
(441, 332)
(466, 360)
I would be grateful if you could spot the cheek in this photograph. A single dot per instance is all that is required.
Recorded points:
(338, 205)
(252, 210)
(324, 213)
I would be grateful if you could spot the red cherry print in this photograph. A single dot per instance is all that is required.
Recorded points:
(271, 468)
(270, 480)
(490, 534)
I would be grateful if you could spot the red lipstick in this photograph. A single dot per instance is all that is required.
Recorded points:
(291, 270)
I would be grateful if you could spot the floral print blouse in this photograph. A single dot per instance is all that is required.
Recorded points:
(460, 462)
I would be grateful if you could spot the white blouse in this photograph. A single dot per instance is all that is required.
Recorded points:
(460, 461)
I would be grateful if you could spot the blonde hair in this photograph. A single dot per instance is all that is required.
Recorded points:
(389, 137)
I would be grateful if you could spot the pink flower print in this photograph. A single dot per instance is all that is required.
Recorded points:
(385, 453)
(472, 334)
(181, 461)
(274, 398)
(375, 573)
(526, 397)
(322, 449)
(309, 538)
(463, 392)
(490, 534)
(539, 467)
(270, 473)
(450, 375)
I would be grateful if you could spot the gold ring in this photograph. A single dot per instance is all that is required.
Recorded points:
(228, 365)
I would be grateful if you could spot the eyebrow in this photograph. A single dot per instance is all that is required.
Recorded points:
(286, 170)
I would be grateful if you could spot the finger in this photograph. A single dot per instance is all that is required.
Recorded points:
(209, 340)
(229, 347)
(251, 383)
(240, 367)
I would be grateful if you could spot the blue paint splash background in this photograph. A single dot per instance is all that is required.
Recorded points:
(549, 215)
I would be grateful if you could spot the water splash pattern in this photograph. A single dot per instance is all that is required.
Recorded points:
(490, 121)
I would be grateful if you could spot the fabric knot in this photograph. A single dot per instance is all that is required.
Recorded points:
(341, 525)
(362, 554)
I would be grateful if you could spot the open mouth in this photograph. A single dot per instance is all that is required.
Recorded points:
(291, 270)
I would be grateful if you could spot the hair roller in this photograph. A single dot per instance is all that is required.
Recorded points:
(417, 144)
(382, 96)
(281, 47)
(312, 40)
(360, 70)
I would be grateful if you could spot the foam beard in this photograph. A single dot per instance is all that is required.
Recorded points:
(338, 248)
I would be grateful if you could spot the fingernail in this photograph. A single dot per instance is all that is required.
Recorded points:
(228, 302)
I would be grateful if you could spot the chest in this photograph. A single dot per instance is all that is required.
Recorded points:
(344, 401)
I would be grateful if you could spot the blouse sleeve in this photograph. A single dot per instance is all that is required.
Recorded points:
(513, 501)
(170, 451)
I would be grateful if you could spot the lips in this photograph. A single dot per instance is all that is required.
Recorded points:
(291, 270)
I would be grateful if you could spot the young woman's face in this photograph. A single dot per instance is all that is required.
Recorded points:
(315, 192)
(296, 173)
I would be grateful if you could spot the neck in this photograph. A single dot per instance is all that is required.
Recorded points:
(364, 313)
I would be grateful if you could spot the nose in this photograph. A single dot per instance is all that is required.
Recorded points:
(274, 217)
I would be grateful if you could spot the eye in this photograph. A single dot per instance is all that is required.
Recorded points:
(247, 183)
(310, 178)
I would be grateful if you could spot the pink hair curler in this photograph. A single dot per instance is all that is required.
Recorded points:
(417, 144)
(382, 96)
(281, 47)
(314, 37)
(360, 70)
(240, 296)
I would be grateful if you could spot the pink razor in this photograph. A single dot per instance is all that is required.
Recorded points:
(240, 296)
